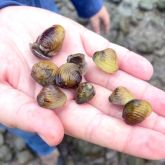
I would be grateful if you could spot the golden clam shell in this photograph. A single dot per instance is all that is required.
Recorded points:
(106, 60)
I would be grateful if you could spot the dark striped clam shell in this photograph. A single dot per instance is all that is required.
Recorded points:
(136, 111)
(49, 42)
(78, 59)
(68, 76)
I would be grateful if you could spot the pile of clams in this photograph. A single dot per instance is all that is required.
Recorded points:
(70, 74)
(52, 77)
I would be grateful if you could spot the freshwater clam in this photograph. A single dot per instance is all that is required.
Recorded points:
(49, 42)
(78, 59)
(68, 76)
(136, 111)
(121, 96)
(106, 60)
(51, 97)
(84, 92)
(44, 72)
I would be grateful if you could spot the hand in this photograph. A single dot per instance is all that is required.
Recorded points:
(98, 122)
(102, 17)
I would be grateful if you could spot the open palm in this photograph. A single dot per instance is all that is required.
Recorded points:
(99, 121)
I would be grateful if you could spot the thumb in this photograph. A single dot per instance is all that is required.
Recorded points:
(20, 111)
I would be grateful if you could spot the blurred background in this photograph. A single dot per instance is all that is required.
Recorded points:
(139, 25)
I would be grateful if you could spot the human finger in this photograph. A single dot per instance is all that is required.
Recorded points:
(20, 111)
(87, 123)
(106, 23)
(101, 102)
(105, 17)
(129, 61)
(95, 23)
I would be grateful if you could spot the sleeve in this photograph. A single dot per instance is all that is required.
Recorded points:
(49, 4)
(5, 3)
(87, 8)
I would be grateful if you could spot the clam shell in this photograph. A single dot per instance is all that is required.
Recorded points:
(106, 60)
(51, 97)
(136, 111)
(78, 59)
(84, 93)
(68, 76)
(121, 96)
(44, 72)
(49, 42)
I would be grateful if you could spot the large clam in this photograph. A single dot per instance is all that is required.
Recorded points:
(49, 42)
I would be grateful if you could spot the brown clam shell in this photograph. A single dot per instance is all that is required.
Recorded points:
(136, 111)
(68, 76)
(44, 72)
(51, 97)
(121, 96)
(78, 59)
(49, 42)
(84, 93)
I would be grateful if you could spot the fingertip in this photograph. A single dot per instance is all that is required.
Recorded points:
(147, 70)
(133, 63)
(52, 139)
(144, 69)
(96, 26)
(51, 131)
(44, 122)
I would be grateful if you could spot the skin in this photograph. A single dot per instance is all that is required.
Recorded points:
(98, 121)
(102, 17)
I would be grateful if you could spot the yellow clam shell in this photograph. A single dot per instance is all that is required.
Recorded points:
(106, 60)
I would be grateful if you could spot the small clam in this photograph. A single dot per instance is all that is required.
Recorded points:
(51, 97)
(121, 96)
(84, 92)
(49, 42)
(78, 59)
(106, 60)
(44, 72)
(68, 76)
(136, 111)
